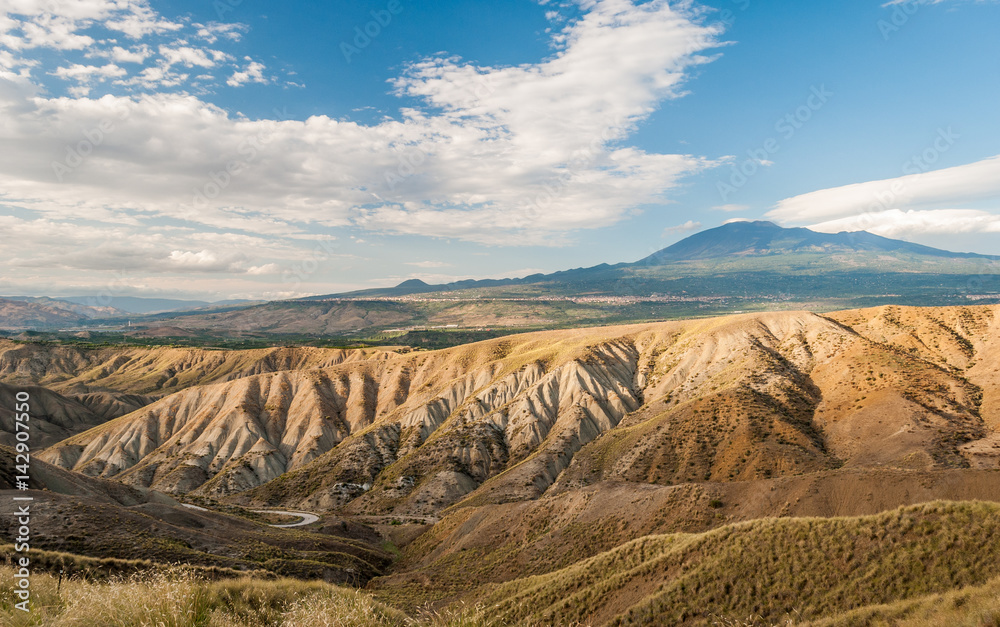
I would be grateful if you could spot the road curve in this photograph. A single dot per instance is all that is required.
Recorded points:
(307, 518)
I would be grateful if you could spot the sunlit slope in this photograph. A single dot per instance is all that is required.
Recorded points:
(153, 371)
(733, 398)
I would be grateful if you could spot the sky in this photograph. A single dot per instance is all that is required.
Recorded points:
(223, 149)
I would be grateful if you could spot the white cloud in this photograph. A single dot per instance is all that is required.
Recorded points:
(141, 21)
(212, 31)
(965, 183)
(190, 57)
(428, 264)
(903, 224)
(56, 23)
(85, 73)
(270, 268)
(516, 154)
(156, 77)
(690, 225)
(138, 54)
(501, 155)
(67, 25)
(253, 73)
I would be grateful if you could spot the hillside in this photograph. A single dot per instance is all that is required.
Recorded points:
(55, 417)
(509, 541)
(773, 569)
(16, 314)
(729, 399)
(606, 475)
(72, 513)
(153, 371)
(83, 388)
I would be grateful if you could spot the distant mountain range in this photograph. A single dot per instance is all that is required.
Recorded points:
(27, 312)
(741, 266)
(746, 248)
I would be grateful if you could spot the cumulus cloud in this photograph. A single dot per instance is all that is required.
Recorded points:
(932, 189)
(499, 155)
(58, 23)
(138, 54)
(163, 184)
(76, 25)
(190, 57)
(212, 31)
(86, 73)
(253, 73)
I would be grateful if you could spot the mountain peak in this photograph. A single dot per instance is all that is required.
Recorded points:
(761, 238)
(411, 283)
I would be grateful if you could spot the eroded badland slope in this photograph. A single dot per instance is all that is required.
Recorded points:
(607, 475)
(74, 389)
(725, 399)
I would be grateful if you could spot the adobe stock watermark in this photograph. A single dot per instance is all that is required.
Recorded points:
(363, 35)
(787, 126)
(222, 7)
(728, 17)
(409, 160)
(78, 153)
(250, 149)
(901, 14)
(22, 526)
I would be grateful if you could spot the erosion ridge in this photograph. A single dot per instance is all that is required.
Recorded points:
(153, 371)
(726, 399)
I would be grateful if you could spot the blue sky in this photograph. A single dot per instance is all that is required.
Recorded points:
(460, 139)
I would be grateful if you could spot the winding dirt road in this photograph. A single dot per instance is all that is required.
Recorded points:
(307, 518)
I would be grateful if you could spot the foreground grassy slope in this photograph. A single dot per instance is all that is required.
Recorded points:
(182, 598)
(977, 606)
(178, 598)
(471, 546)
(805, 569)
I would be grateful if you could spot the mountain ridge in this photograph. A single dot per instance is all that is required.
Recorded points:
(734, 239)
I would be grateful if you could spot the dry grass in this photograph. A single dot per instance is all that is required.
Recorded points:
(177, 600)
(772, 569)
(973, 606)
(181, 599)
